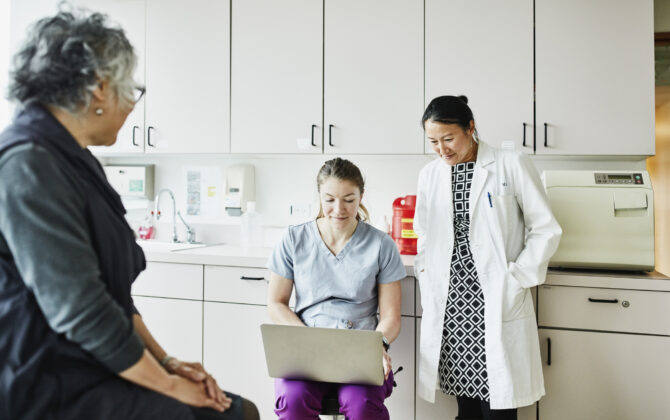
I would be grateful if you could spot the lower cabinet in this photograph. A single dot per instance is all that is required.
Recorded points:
(175, 323)
(233, 352)
(597, 375)
(401, 402)
(445, 406)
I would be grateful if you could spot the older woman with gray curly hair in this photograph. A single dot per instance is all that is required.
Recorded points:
(72, 344)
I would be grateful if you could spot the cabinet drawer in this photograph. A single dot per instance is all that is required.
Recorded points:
(182, 281)
(237, 285)
(604, 309)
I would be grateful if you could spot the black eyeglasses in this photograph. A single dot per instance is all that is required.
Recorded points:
(138, 93)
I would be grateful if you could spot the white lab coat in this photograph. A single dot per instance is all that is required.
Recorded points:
(512, 237)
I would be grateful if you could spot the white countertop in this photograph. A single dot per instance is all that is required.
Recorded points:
(229, 255)
(236, 256)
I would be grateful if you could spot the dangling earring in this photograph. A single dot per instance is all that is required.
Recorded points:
(98, 111)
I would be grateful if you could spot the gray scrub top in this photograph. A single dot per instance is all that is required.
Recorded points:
(337, 291)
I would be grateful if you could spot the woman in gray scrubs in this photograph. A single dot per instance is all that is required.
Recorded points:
(342, 269)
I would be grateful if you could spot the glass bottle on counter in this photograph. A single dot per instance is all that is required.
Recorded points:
(146, 229)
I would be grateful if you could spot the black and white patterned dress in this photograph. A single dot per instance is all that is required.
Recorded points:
(462, 367)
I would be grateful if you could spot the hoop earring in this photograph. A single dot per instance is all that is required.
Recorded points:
(474, 137)
(98, 111)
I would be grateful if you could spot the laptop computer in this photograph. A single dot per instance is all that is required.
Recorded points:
(323, 354)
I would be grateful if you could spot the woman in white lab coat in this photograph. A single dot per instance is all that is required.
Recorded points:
(486, 234)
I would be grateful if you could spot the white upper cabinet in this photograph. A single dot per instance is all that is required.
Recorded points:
(595, 77)
(277, 74)
(373, 76)
(188, 76)
(130, 15)
(483, 49)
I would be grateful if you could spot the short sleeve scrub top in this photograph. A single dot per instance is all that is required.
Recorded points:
(337, 291)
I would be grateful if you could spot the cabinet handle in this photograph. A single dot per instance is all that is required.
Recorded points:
(149, 136)
(313, 127)
(524, 134)
(253, 278)
(134, 142)
(330, 135)
(548, 351)
(604, 300)
(545, 134)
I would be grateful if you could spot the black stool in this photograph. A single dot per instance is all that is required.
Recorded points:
(330, 406)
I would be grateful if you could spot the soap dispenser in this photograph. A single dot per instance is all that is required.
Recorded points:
(240, 188)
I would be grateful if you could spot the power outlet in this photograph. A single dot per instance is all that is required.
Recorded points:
(300, 210)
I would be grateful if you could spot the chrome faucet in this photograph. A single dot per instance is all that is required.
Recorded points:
(190, 233)
(157, 213)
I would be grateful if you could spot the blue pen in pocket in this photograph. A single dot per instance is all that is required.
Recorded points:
(490, 202)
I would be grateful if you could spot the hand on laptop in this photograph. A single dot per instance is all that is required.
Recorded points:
(387, 364)
(196, 373)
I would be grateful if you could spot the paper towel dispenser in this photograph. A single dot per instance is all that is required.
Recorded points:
(607, 219)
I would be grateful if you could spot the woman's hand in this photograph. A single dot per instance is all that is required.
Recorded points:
(196, 373)
(194, 393)
(387, 365)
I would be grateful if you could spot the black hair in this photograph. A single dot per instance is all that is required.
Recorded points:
(449, 110)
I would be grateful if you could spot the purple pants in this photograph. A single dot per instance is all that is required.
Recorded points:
(301, 400)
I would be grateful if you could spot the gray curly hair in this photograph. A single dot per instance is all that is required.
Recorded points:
(66, 56)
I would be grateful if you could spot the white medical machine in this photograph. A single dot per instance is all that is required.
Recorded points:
(131, 180)
(607, 219)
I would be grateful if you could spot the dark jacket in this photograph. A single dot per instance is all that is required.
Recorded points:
(67, 262)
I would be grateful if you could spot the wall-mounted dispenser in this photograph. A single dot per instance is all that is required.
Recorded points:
(240, 188)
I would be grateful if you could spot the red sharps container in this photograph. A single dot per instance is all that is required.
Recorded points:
(403, 224)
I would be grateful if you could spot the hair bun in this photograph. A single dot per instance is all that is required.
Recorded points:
(463, 98)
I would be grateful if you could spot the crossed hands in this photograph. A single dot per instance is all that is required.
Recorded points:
(194, 386)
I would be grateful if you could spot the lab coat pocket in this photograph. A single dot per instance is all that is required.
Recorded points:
(514, 303)
(507, 212)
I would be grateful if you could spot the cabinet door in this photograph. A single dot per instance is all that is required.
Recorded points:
(130, 15)
(445, 406)
(489, 59)
(401, 402)
(234, 352)
(22, 15)
(595, 77)
(176, 325)
(188, 76)
(277, 73)
(604, 376)
(373, 76)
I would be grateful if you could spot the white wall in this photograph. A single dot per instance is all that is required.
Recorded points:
(286, 179)
(4, 61)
